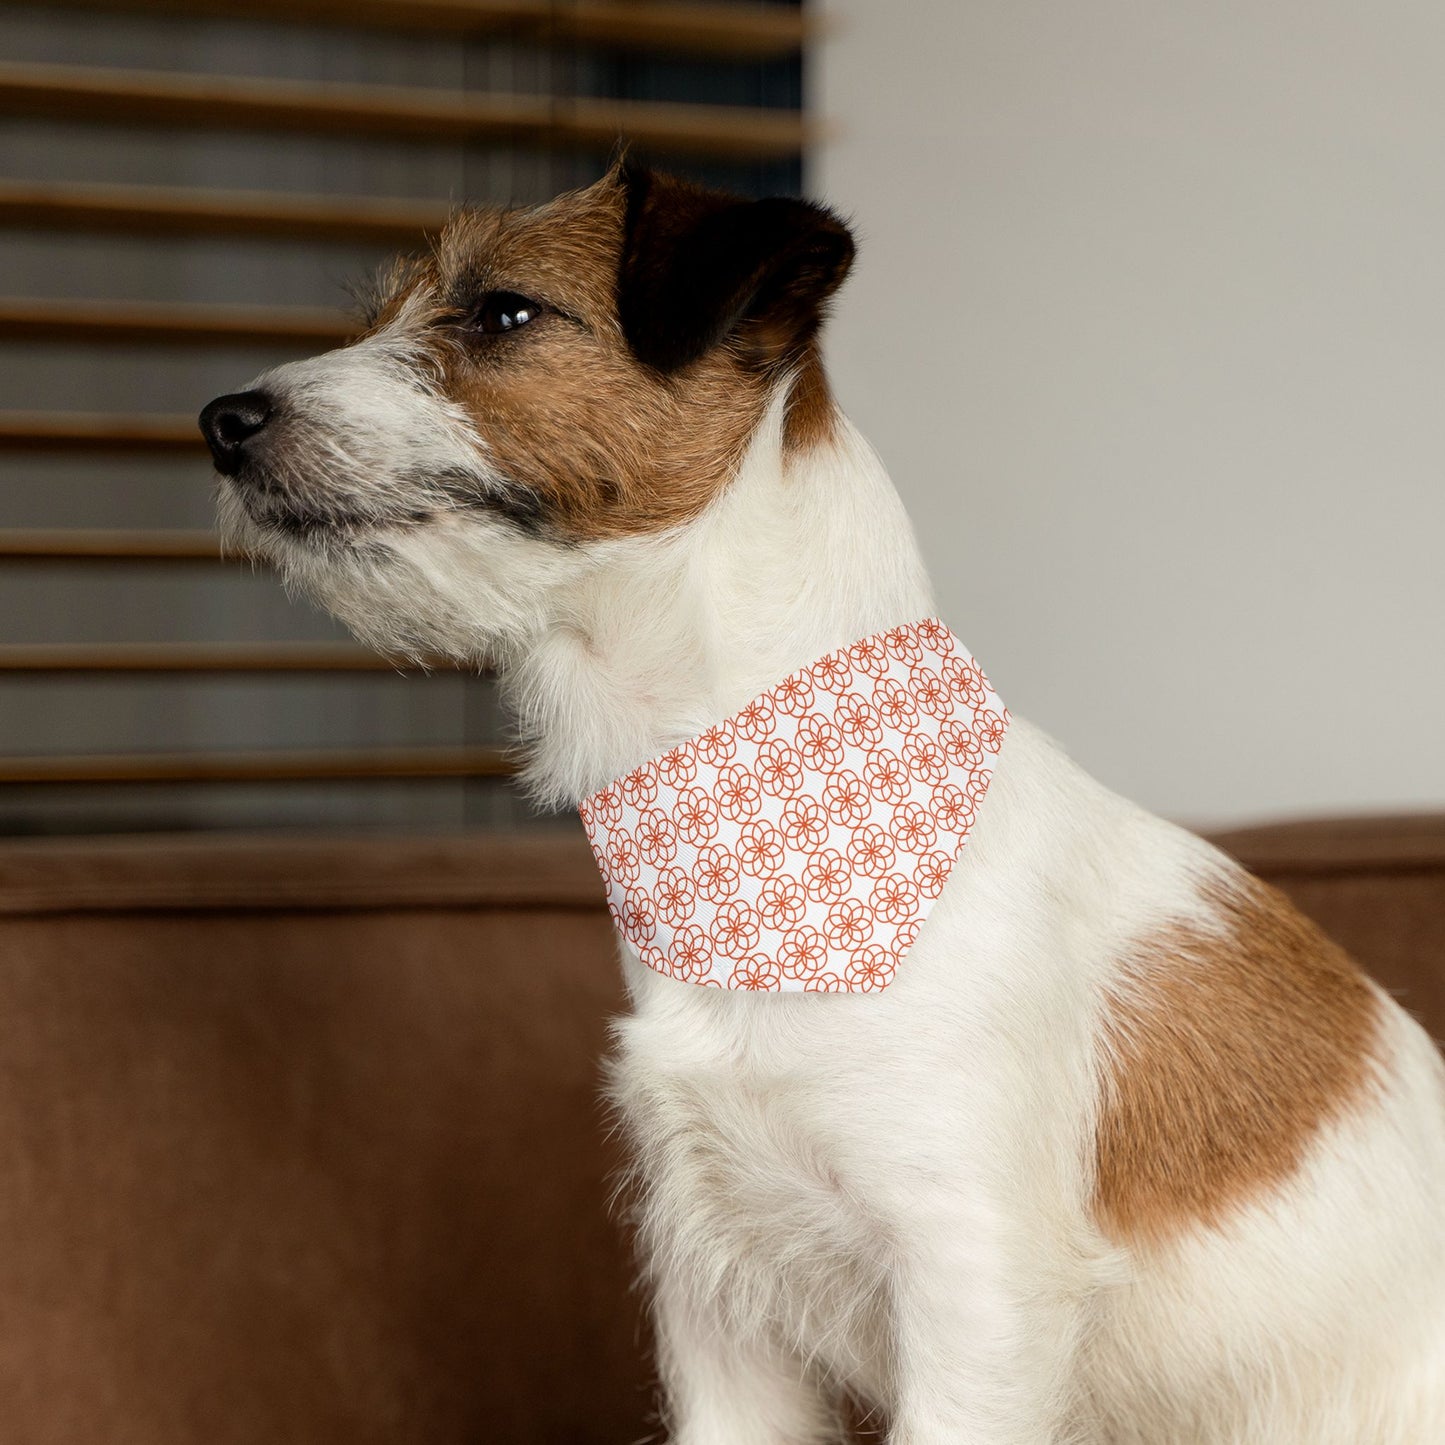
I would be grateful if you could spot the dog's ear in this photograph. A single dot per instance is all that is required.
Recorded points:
(699, 266)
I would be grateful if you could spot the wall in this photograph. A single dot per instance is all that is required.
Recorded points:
(1149, 323)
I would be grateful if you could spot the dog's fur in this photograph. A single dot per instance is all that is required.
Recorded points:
(1128, 1153)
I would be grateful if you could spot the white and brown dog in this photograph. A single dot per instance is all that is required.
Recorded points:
(1128, 1152)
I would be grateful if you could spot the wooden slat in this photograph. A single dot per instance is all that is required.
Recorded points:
(188, 657)
(221, 102)
(331, 765)
(171, 323)
(80, 544)
(78, 431)
(174, 211)
(751, 31)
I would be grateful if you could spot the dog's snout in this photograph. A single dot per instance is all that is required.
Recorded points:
(229, 422)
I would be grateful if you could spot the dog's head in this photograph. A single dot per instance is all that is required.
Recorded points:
(544, 383)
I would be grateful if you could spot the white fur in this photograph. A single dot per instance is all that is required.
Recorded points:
(889, 1194)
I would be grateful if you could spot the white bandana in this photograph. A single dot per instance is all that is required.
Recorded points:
(800, 844)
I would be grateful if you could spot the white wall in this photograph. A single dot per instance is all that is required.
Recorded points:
(1149, 324)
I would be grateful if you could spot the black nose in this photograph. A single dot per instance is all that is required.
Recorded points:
(229, 422)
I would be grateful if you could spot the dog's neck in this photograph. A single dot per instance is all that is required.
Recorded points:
(805, 552)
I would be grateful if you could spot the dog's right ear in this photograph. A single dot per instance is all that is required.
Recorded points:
(699, 267)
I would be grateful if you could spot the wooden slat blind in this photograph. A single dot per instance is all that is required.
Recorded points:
(228, 104)
(171, 211)
(172, 323)
(737, 30)
(271, 766)
(83, 544)
(84, 431)
(222, 102)
(192, 657)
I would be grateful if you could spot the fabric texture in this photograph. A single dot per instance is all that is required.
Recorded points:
(799, 844)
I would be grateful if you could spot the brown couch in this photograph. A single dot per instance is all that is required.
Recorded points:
(302, 1141)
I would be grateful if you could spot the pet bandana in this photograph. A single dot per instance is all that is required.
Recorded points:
(800, 844)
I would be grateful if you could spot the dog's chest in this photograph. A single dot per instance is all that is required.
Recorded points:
(746, 1181)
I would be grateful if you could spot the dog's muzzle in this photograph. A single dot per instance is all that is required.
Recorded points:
(232, 422)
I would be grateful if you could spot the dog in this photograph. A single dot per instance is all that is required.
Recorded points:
(1126, 1152)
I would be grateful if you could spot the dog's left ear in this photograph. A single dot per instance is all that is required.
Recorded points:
(700, 266)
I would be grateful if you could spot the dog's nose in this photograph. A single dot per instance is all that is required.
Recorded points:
(229, 422)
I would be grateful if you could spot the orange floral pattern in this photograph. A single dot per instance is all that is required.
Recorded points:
(798, 845)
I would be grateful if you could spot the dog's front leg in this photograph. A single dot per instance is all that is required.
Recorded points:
(723, 1386)
(984, 1337)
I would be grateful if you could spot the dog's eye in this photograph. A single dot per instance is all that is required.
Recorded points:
(504, 311)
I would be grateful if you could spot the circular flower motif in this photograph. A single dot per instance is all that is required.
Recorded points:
(718, 745)
(716, 873)
(607, 807)
(695, 816)
(931, 873)
(757, 974)
(872, 968)
(638, 922)
(819, 743)
(934, 636)
(847, 799)
(894, 898)
(959, 744)
(755, 721)
(656, 836)
(913, 828)
(678, 767)
(795, 693)
(905, 937)
(781, 901)
(871, 850)
(887, 776)
(736, 928)
(930, 692)
(624, 862)
(978, 782)
(990, 729)
(584, 811)
(924, 758)
(848, 924)
(654, 958)
(675, 896)
(825, 983)
(802, 952)
(691, 953)
(832, 673)
(965, 680)
(640, 785)
(760, 849)
(952, 807)
(902, 643)
(737, 793)
(826, 875)
(869, 657)
(858, 721)
(804, 823)
(779, 769)
(894, 705)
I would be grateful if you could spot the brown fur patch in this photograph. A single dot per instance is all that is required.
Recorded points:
(604, 445)
(1227, 1053)
(812, 415)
